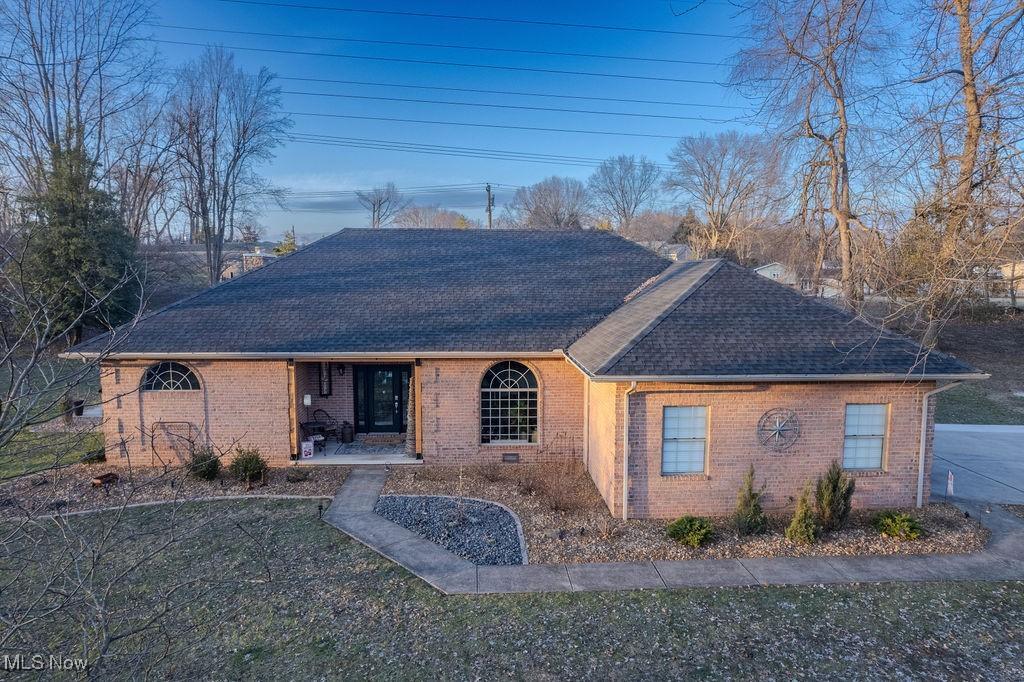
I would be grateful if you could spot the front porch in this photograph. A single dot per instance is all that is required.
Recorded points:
(362, 451)
(370, 404)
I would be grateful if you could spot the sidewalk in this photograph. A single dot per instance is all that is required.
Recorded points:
(352, 512)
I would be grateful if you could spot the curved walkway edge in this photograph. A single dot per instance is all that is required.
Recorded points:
(352, 513)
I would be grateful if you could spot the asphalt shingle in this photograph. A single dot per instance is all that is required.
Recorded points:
(715, 318)
(396, 290)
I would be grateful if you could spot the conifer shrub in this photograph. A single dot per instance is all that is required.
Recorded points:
(833, 497)
(749, 517)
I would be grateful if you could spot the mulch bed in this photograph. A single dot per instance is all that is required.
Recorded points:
(585, 532)
(71, 488)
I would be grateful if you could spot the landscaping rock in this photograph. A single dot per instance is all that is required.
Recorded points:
(482, 533)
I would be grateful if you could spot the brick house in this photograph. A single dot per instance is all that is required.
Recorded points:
(667, 380)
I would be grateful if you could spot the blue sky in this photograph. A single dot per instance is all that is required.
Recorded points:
(321, 168)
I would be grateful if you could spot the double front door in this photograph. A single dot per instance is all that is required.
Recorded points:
(381, 395)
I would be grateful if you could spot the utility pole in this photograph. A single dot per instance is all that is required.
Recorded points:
(490, 206)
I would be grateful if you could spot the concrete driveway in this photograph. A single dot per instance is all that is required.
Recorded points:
(987, 462)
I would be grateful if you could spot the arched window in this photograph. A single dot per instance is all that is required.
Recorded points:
(170, 376)
(508, 404)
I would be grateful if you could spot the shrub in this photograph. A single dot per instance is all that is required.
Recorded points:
(690, 530)
(492, 473)
(803, 529)
(833, 497)
(95, 457)
(749, 517)
(248, 465)
(203, 463)
(898, 525)
(296, 475)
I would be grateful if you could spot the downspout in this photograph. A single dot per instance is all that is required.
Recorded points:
(924, 438)
(625, 453)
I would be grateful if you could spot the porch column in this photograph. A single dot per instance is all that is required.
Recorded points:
(293, 409)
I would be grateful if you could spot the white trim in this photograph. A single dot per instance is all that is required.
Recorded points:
(320, 357)
(410, 356)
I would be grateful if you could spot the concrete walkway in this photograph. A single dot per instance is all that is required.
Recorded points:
(352, 512)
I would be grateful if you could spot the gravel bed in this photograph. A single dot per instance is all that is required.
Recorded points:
(587, 533)
(480, 532)
(71, 489)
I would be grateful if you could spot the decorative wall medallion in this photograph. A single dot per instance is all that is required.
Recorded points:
(778, 429)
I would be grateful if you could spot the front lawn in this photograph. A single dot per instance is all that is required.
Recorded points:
(31, 451)
(281, 595)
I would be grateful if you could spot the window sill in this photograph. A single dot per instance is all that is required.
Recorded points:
(509, 444)
(694, 476)
(865, 473)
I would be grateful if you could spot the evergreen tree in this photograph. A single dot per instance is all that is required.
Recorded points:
(287, 243)
(78, 255)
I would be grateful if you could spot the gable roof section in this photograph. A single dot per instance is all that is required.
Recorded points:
(406, 290)
(712, 320)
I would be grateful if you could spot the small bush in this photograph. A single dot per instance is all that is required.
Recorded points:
(492, 473)
(749, 517)
(248, 465)
(204, 463)
(833, 497)
(95, 457)
(296, 475)
(690, 530)
(803, 529)
(898, 525)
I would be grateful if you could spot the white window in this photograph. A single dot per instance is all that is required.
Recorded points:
(684, 440)
(864, 440)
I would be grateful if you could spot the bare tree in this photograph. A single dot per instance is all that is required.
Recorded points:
(224, 123)
(433, 217)
(805, 64)
(971, 60)
(733, 179)
(143, 174)
(384, 204)
(623, 186)
(68, 72)
(555, 203)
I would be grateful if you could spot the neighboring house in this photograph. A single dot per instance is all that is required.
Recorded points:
(1012, 274)
(665, 380)
(248, 261)
(779, 273)
(667, 250)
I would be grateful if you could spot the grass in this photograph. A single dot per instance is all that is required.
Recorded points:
(972, 404)
(995, 346)
(285, 596)
(31, 451)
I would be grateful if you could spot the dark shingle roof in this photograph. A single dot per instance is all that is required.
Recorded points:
(717, 319)
(397, 290)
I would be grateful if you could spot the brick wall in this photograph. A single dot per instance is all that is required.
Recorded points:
(733, 413)
(340, 404)
(244, 402)
(450, 410)
(604, 424)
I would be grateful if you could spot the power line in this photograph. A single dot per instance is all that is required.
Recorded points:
(531, 22)
(561, 157)
(483, 125)
(521, 107)
(510, 92)
(446, 46)
(444, 63)
(496, 155)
